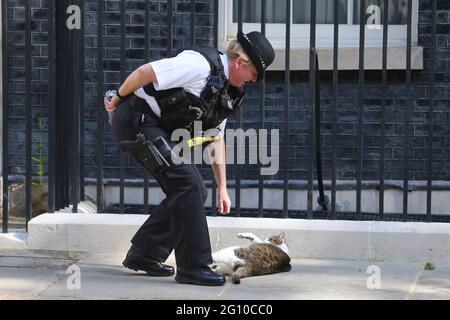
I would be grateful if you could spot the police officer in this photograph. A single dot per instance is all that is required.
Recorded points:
(158, 97)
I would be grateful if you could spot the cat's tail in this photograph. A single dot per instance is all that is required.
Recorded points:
(284, 268)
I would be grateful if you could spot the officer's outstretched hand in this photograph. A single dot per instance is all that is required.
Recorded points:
(112, 105)
(224, 204)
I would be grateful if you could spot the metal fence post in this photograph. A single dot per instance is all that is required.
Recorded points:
(431, 112)
(287, 91)
(407, 114)
(262, 112)
(383, 110)
(312, 81)
(4, 53)
(28, 116)
(360, 126)
(51, 109)
(335, 95)
(100, 110)
(122, 78)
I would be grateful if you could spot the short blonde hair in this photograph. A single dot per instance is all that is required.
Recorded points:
(235, 51)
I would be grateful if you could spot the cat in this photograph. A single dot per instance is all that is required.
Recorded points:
(257, 258)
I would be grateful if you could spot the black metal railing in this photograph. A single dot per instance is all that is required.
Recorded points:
(5, 169)
(65, 99)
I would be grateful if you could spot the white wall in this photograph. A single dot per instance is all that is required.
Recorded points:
(297, 199)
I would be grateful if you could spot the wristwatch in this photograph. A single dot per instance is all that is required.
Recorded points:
(119, 96)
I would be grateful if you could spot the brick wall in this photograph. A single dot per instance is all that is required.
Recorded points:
(274, 104)
(16, 77)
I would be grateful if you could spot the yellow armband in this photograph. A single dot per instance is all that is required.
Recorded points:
(201, 140)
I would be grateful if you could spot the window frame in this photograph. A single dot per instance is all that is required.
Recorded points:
(348, 33)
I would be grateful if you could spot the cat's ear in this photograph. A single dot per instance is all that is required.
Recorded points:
(281, 235)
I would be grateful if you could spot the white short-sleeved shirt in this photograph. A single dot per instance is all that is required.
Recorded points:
(188, 70)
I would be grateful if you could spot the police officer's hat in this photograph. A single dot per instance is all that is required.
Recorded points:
(258, 49)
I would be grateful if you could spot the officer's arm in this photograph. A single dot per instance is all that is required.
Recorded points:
(218, 163)
(137, 79)
(217, 157)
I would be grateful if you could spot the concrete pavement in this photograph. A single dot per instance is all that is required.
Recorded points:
(42, 275)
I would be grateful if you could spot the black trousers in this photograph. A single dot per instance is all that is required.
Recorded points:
(179, 222)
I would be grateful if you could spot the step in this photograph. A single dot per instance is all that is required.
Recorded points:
(323, 239)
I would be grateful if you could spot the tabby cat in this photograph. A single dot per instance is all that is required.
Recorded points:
(257, 258)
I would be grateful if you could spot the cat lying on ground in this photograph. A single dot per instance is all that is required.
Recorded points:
(257, 258)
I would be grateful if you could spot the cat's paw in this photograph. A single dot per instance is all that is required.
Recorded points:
(246, 235)
(222, 269)
(213, 266)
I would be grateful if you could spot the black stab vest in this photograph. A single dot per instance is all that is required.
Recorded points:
(217, 101)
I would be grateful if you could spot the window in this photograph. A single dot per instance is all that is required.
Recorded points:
(300, 19)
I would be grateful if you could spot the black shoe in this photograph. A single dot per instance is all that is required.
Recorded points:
(202, 277)
(136, 261)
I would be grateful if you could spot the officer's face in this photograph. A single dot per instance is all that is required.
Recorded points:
(241, 72)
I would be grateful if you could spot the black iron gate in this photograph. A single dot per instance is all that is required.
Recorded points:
(66, 119)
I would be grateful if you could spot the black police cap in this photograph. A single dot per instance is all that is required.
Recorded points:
(258, 49)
